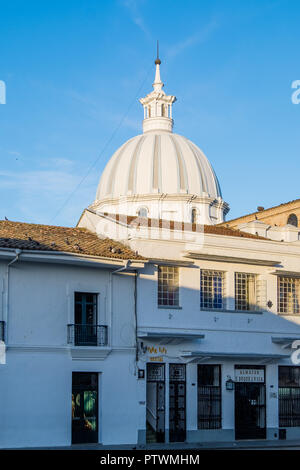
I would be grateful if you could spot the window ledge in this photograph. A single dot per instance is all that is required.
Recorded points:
(288, 314)
(87, 352)
(168, 307)
(223, 310)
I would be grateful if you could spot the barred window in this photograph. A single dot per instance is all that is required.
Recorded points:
(288, 289)
(289, 396)
(212, 289)
(209, 396)
(245, 291)
(168, 286)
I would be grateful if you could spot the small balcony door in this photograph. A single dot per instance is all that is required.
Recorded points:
(84, 407)
(85, 333)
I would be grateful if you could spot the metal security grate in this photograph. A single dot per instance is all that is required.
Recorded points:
(245, 291)
(289, 407)
(168, 286)
(212, 289)
(288, 290)
(289, 396)
(209, 397)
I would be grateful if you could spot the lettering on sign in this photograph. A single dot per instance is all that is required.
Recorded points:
(249, 375)
(156, 350)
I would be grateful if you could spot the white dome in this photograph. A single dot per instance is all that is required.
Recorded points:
(158, 162)
(159, 174)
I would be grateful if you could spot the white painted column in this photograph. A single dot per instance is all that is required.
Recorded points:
(230, 291)
(227, 397)
(191, 397)
(272, 398)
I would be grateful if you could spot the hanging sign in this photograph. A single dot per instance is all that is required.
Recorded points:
(249, 375)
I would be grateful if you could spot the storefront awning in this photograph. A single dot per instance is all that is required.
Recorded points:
(169, 337)
(199, 356)
(285, 341)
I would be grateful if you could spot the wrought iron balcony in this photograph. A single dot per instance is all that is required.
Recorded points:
(2, 330)
(87, 335)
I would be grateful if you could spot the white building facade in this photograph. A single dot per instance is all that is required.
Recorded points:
(149, 323)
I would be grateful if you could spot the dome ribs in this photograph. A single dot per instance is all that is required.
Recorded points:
(156, 181)
(183, 181)
(131, 186)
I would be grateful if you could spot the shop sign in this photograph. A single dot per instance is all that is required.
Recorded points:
(249, 375)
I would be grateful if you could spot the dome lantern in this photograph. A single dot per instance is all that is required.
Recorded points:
(157, 105)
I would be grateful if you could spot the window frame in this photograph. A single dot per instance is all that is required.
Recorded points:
(252, 305)
(214, 273)
(94, 303)
(160, 291)
(283, 305)
(293, 220)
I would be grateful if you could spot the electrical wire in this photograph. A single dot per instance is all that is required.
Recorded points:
(103, 149)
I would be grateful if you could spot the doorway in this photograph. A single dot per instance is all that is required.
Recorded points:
(177, 403)
(155, 400)
(84, 407)
(250, 409)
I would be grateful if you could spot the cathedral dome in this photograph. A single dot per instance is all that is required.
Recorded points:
(158, 162)
(159, 174)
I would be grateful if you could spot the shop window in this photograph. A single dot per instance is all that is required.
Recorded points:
(289, 396)
(209, 396)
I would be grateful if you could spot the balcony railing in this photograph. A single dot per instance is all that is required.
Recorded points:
(2, 330)
(87, 335)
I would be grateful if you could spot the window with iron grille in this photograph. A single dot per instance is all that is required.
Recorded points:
(209, 396)
(288, 290)
(212, 289)
(289, 396)
(168, 286)
(245, 291)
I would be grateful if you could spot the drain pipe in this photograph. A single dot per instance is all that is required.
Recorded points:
(16, 259)
(135, 318)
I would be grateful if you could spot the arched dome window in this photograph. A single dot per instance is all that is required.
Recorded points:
(143, 212)
(194, 216)
(293, 220)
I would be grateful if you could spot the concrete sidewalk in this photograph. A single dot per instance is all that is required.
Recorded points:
(237, 445)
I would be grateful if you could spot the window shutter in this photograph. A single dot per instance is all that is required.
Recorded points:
(261, 294)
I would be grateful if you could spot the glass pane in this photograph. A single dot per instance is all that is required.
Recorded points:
(78, 314)
(90, 418)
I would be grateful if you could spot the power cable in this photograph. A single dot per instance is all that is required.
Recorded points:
(103, 149)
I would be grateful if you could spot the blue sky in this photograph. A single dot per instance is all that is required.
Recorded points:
(74, 71)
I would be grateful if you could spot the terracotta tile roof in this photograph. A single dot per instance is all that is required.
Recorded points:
(66, 239)
(159, 223)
